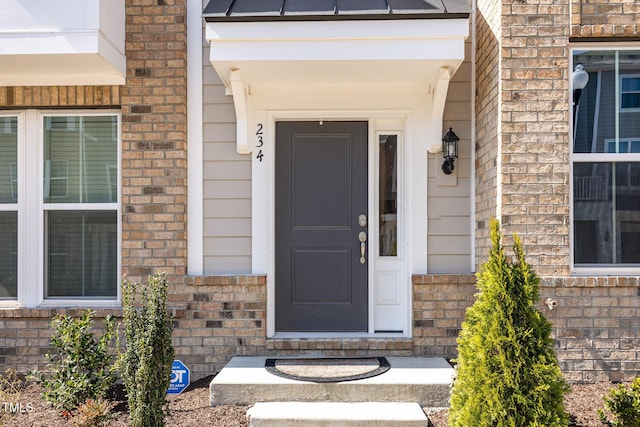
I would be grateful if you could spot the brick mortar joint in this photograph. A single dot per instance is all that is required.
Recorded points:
(42, 313)
(225, 280)
(590, 281)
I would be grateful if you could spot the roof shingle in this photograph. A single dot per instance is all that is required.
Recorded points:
(250, 10)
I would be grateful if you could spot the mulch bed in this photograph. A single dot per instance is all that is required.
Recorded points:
(192, 408)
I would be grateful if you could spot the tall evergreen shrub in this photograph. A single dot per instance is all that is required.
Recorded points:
(148, 355)
(507, 370)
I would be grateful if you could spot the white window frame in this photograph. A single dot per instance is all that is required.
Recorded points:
(598, 269)
(623, 77)
(13, 206)
(31, 211)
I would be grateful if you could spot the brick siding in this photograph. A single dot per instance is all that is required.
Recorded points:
(154, 140)
(596, 318)
(217, 317)
(439, 304)
(59, 97)
(605, 18)
(596, 323)
(487, 101)
(25, 335)
(224, 316)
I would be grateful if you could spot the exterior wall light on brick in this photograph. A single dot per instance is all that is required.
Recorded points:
(449, 151)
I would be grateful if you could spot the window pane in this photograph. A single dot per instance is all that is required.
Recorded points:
(599, 110)
(8, 255)
(627, 211)
(80, 159)
(388, 209)
(8, 160)
(593, 212)
(631, 84)
(631, 100)
(81, 253)
(606, 213)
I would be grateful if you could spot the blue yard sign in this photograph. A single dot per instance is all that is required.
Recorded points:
(180, 378)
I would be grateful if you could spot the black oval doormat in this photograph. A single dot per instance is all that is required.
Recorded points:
(328, 369)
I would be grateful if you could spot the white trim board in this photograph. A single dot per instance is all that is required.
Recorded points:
(413, 258)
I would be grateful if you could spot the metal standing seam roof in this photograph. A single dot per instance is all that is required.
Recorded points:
(325, 10)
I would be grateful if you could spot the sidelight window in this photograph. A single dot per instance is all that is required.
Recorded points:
(388, 195)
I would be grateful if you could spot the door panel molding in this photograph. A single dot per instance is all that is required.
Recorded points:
(321, 180)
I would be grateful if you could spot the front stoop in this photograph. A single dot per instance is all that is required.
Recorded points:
(325, 414)
(422, 380)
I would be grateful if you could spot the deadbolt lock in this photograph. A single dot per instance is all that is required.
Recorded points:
(362, 220)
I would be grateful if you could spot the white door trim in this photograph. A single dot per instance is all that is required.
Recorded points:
(413, 204)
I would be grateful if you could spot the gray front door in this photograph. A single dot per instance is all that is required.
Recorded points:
(321, 192)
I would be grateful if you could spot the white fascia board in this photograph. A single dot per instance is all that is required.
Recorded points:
(338, 50)
(337, 30)
(41, 43)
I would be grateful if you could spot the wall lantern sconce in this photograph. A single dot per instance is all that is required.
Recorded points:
(449, 151)
(579, 81)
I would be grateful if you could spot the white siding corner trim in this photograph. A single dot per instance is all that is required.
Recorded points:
(195, 213)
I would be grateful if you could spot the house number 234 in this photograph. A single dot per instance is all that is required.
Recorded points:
(259, 141)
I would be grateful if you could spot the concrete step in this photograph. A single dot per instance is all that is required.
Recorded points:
(339, 414)
(245, 381)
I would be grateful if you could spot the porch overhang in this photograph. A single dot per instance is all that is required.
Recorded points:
(67, 42)
(336, 56)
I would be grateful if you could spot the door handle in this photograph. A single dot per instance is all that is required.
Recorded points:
(362, 236)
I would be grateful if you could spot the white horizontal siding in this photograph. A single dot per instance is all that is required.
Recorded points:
(449, 206)
(226, 183)
(227, 264)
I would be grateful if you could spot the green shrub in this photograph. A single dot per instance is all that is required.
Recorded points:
(81, 366)
(146, 361)
(624, 404)
(507, 370)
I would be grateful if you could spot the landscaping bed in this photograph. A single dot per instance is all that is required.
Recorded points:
(191, 408)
